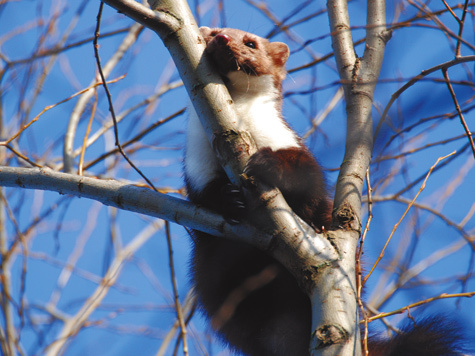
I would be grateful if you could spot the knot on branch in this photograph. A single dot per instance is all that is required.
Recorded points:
(310, 275)
(330, 335)
(354, 73)
(386, 35)
(19, 182)
(231, 138)
(345, 218)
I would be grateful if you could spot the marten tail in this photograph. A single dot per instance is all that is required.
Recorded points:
(431, 336)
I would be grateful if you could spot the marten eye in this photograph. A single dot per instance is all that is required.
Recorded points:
(214, 33)
(250, 44)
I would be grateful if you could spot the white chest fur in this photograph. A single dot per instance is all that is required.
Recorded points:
(255, 104)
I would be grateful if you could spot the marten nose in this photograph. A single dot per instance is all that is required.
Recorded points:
(222, 39)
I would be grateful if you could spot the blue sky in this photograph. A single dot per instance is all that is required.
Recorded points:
(136, 315)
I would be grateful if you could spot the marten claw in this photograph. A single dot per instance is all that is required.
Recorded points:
(235, 208)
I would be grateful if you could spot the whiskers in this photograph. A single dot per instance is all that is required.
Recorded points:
(246, 81)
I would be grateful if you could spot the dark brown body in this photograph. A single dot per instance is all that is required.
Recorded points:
(251, 300)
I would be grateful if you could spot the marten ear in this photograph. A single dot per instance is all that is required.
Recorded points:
(279, 52)
(205, 31)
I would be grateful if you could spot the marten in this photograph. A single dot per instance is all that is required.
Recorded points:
(254, 303)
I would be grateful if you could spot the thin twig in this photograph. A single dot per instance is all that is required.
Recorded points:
(409, 186)
(457, 107)
(7, 334)
(74, 324)
(189, 307)
(22, 156)
(109, 98)
(178, 307)
(134, 139)
(461, 23)
(403, 215)
(49, 107)
(417, 78)
(418, 149)
(81, 104)
(88, 130)
(58, 49)
(359, 272)
(422, 302)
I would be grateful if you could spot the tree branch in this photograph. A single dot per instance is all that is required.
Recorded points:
(423, 74)
(173, 22)
(80, 107)
(75, 323)
(145, 201)
(336, 323)
(126, 197)
(293, 242)
(359, 76)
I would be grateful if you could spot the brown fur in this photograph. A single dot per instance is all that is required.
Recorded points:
(254, 303)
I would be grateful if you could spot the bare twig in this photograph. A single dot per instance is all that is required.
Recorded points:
(49, 107)
(359, 271)
(383, 296)
(457, 107)
(88, 130)
(422, 302)
(8, 333)
(74, 323)
(178, 306)
(135, 138)
(111, 106)
(189, 306)
(424, 73)
(403, 215)
(109, 124)
(324, 114)
(80, 106)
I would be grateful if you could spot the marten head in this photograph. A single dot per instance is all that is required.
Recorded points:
(234, 50)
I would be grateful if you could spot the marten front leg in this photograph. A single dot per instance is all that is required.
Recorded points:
(221, 196)
(300, 179)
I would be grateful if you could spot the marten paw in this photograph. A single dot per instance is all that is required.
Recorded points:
(264, 165)
(234, 208)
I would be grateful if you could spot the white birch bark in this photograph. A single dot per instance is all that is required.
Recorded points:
(324, 263)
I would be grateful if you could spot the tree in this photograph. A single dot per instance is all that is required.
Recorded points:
(33, 323)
